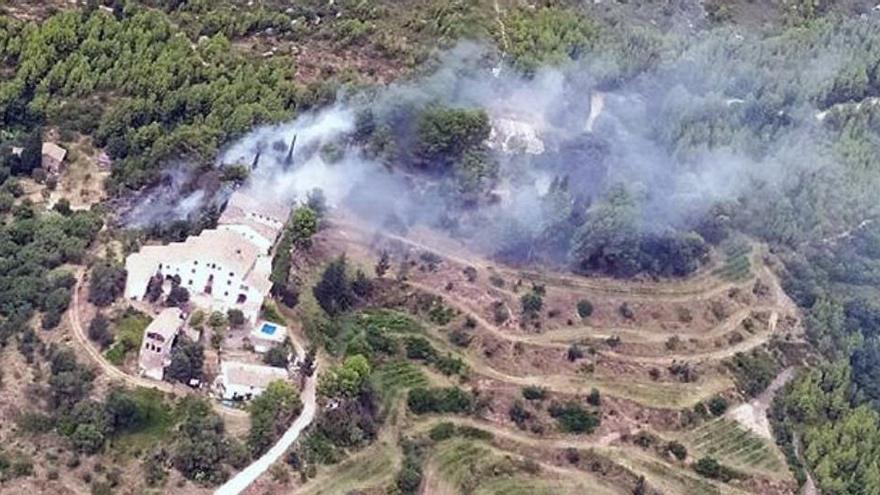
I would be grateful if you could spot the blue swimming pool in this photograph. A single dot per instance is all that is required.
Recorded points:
(268, 328)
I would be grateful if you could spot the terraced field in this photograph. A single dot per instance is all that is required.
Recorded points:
(635, 363)
(467, 466)
(373, 467)
(393, 379)
(734, 445)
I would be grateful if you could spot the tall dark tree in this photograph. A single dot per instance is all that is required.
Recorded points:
(333, 291)
(31, 155)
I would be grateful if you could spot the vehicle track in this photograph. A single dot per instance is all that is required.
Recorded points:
(109, 369)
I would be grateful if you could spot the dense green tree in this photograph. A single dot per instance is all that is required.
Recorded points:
(106, 283)
(122, 410)
(347, 379)
(866, 369)
(235, 317)
(446, 134)
(87, 438)
(547, 35)
(187, 359)
(608, 240)
(99, 331)
(271, 413)
(303, 226)
(278, 355)
(177, 296)
(200, 447)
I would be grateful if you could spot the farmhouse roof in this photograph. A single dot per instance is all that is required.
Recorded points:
(53, 151)
(225, 247)
(242, 205)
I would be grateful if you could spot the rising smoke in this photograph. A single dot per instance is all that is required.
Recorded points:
(557, 123)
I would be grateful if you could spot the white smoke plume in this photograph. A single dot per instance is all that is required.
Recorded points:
(556, 123)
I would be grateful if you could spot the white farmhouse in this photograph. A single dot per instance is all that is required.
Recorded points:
(159, 336)
(224, 268)
(243, 381)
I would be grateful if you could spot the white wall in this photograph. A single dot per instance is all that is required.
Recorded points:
(195, 274)
(226, 285)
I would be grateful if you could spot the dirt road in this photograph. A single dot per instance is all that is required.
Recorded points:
(753, 414)
(109, 369)
(106, 366)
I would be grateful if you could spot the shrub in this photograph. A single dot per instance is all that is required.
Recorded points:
(534, 393)
(644, 439)
(419, 348)
(519, 414)
(717, 405)
(573, 418)
(499, 312)
(626, 311)
(439, 400)
(442, 431)
(677, 449)
(594, 399)
(574, 353)
(532, 303)
(449, 365)
(475, 433)
(584, 308)
(710, 468)
(460, 338)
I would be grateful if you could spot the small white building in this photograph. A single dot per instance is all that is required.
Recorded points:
(267, 335)
(53, 157)
(159, 336)
(243, 381)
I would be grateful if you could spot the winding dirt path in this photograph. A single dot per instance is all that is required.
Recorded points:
(556, 339)
(108, 368)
